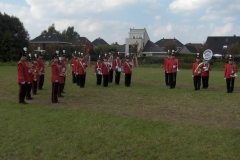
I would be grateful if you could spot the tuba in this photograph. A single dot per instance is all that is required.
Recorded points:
(207, 55)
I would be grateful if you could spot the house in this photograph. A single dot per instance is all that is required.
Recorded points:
(44, 40)
(161, 43)
(99, 41)
(79, 40)
(152, 49)
(187, 49)
(220, 44)
(136, 36)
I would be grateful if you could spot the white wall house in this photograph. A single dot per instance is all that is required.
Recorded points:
(136, 35)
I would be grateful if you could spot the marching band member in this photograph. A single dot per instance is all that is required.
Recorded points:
(205, 74)
(105, 70)
(23, 77)
(110, 60)
(82, 71)
(97, 70)
(196, 76)
(55, 76)
(61, 77)
(230, 72)
(117, 67)
(29, 84)
(41, 71)
(172, 68)
(64, 69)
(127, 70)
(165, 67)
(73, 63)
(34, 74)
(76, 67)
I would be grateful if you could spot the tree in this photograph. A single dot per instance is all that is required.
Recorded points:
(171, 45)
(13, 37)
(136, 49)
(102, 49)
(233, 49)
(201, 49)
(70, 33)
(51, 29)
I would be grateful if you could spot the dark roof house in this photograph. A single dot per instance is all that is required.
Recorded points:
(152, 49)
(187, 49)
(99, 41)
(219, 44)
(48, 38)
(79, 40)
(163, 41)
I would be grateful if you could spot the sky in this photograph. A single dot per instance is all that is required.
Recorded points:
(189, 21)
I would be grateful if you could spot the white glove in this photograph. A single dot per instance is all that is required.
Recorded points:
(29, 71)
(35, 79)
(72, 64)
(116, 67)
(39, 73)
(224, 78)
(56, 81)
(23, 82)
(192, 75)
(76, 73)
(95, 73)
(29, 82)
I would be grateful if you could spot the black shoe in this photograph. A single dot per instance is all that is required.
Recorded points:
(63, 92)
(60, 96)
(23, 102)
(29, 98)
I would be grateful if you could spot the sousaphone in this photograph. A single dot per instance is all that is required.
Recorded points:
(207, 55)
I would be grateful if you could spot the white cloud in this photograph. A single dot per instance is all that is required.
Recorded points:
(224, 30)
(169, 28)
(181, 6)
(157, 18)
(229, 19)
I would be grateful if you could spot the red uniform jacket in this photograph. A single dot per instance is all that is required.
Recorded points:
(22, 72)
(72, 63)
(127, 68)
(40, 65)
(30, 74)
(230, 70)
(34, 72)
(173, 65)
(205, 70)
(55, 72)
(194, 66)
(105, 68)
(165, 63)
(117, 63)
(81, 68)
(97, 66)
(61, 74)
(64, 68)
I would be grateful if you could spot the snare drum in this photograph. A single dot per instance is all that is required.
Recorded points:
(99, 71)
(119, 69)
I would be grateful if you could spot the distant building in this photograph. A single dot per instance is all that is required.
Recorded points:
(139, 36)
(161, 43)
(99, 41)
(41, 42)
(79, 40)
(152, 49)
(187, 49)
(220, 44)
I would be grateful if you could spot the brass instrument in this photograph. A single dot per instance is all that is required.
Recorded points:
(207, 55)
(198, 68)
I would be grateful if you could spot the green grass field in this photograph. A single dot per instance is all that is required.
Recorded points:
(144, 121)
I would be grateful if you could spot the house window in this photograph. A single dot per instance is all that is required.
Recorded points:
(130, 49)
(226, 40)
(225, 47)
